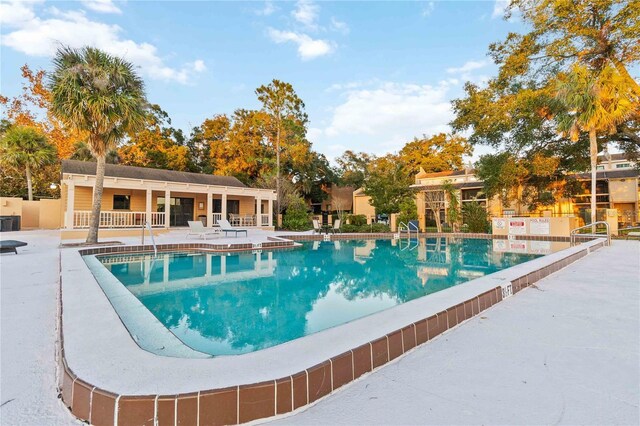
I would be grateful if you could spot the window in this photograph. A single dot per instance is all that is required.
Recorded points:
(599, 167)
(121, 202)
(473, 194)
(623, 166)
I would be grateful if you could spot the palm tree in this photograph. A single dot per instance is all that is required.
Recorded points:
(594, 102)
(26, 147)
(101, 95)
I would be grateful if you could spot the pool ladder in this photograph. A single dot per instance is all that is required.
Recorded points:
(403, 227)
(594, 232)
(147, 225)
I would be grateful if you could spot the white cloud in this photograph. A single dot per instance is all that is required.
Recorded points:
(468, 67)
(339, 26)
(102, 6)
(383, 117)
(428, 8)
(306, 12)
(199, 66)
(38, 36)
(16, 13)
(267, 9)
(308, 48)
(499, 6)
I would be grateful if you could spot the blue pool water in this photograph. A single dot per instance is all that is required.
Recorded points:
(224, 304)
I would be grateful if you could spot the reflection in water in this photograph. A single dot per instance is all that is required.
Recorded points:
(242, 302)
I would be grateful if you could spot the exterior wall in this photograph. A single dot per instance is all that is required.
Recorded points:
(84, 198)
(51, 216)
(42, 214)
(623, 190)
(10, 206)
(30, 214)
(361, 205)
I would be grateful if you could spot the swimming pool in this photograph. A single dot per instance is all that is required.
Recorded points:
(234, 303)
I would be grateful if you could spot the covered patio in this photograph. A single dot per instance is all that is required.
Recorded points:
(133, 196)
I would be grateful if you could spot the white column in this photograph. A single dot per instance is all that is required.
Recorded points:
(167, 207)
(258, 211)
(148, 206)
(270, 211)
(224, 206)
(209, 209)
(71, 197)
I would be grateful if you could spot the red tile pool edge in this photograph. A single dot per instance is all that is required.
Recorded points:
(247, 402)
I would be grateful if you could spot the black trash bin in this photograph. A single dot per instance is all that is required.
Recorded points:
(203, 218)
(6, 224)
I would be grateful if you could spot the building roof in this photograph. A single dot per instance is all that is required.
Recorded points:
(614, 157)
(463, 185)
(424, 175)
(610, 174)
(130, 172)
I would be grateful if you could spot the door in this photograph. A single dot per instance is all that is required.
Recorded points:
(180, 210)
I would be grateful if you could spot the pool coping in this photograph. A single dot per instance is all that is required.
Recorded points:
(102, 380)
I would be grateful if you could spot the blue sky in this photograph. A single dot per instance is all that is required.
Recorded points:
(372, 74)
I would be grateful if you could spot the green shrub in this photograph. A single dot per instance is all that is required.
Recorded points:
(296, 218)
(379, 227)
(358, 219)
(349, 228)
(475, 217)
(375, 227)
(408, 210)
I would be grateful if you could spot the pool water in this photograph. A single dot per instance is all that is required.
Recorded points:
(224, 304)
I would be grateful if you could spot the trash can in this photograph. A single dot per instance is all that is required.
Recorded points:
(6, 224)
(203, 218)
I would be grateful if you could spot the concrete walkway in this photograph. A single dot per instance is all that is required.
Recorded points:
(566, 352)
(28, 307)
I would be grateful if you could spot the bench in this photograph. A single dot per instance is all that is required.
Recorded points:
(8, 246)
(633, 234)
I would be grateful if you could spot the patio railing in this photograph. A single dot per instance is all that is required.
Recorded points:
(111, 219)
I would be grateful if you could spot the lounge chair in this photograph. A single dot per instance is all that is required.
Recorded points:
(316, 227)
(336, 226)
(197, 228)
(8, 246)
(225, 227)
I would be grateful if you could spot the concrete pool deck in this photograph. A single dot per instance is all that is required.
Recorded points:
(443, 390)
(563, 352)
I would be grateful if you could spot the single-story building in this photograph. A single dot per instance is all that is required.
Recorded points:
(164, 198)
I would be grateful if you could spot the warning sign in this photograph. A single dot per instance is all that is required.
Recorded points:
(517, 227)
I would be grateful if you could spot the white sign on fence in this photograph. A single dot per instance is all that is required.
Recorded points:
(539, 226)
(499, 223)
(517, 226)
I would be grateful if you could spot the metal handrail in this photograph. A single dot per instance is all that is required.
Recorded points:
(574, 232)
(153, 241)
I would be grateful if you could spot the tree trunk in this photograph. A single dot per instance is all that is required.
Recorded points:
(593, 150)
(278, 195)
(92, 237)
(436, 214)
(29, 184)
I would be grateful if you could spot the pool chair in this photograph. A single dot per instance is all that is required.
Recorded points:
(316, 227)
(226, 227)
(197, 228)
(9, 246)
(336, 226)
